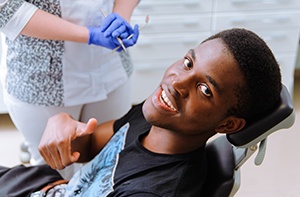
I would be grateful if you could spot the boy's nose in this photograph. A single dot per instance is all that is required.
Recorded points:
(181, 84)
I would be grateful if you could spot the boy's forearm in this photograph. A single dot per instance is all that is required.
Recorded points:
(89, 146)
(83, 146)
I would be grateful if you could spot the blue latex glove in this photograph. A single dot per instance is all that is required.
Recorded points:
(116, 25)
(113, 26)
(96, 37)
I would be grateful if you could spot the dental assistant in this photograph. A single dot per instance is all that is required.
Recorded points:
(55, 63)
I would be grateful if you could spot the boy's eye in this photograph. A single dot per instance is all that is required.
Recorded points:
(187, 63)
(205, 90)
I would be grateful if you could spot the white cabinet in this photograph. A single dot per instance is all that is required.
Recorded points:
(176, 26)
(254, 5)
(173, 7)
(276, 21)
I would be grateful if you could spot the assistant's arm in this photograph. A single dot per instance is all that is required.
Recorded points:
(20, 17)
(40, 24)
(47, 26)
(125, 8)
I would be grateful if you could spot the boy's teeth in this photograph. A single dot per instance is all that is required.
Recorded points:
(167, 101)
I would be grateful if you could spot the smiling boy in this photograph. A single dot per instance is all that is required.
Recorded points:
(158, 147)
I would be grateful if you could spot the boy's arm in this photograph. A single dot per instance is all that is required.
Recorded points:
(66, 140)
(94, 142)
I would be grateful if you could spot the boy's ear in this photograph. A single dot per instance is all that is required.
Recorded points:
(230, 124)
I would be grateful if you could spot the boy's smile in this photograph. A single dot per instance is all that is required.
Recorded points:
(166, 101)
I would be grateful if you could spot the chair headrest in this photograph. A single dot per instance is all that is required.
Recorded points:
(283, 116)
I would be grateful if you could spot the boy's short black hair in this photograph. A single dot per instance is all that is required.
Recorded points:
(261, 72)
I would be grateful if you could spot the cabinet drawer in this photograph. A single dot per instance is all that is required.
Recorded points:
(279, 40)
(174, 23)
(165, 46)
(146, 77)
(173, 7)
(254, 5)
(263, 20)
(143, 66)
(144, 83)
(287, 67)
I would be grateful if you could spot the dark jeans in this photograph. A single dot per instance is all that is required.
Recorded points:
(21, 181)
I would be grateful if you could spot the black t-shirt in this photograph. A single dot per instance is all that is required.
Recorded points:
(125, 168)
(143, 173)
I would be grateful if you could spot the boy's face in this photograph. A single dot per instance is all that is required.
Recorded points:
(196, 91)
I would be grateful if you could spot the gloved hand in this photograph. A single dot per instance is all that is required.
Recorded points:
(113, 26)
(96, 37)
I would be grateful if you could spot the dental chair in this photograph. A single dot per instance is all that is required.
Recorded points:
(227, 153)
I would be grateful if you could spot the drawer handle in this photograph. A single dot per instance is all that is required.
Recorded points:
(275, 37)
(187, 40)
(279, 19)
(190, 22)
(263, 1)
(144, 42)
(150, 5)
